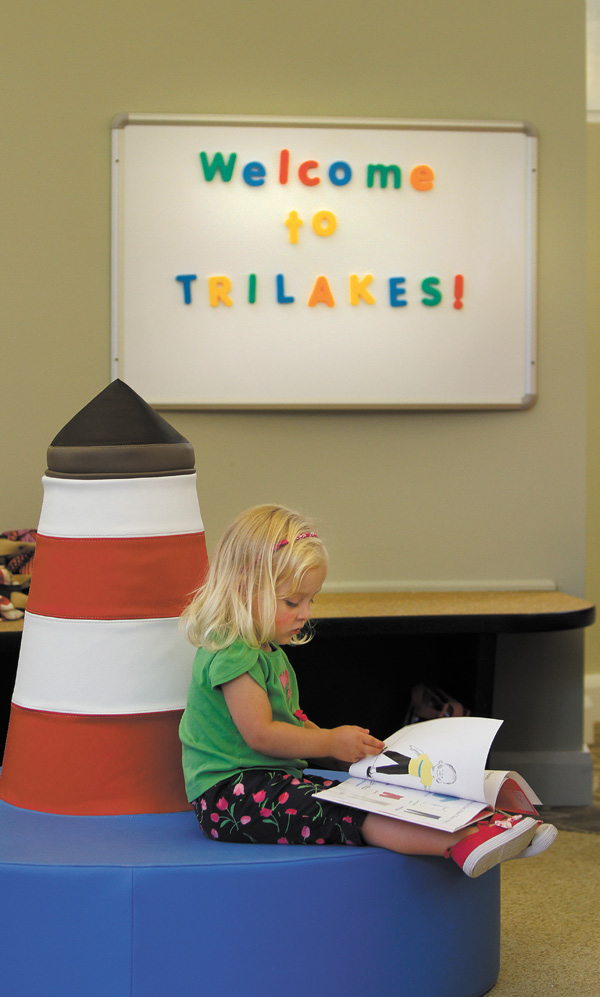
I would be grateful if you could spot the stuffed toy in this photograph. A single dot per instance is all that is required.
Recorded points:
(17, 548)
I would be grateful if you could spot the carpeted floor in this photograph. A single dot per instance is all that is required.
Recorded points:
(550, 941)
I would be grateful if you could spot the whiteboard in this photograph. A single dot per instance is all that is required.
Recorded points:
(318, 263)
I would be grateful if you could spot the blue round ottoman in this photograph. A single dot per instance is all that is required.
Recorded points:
(145, 906)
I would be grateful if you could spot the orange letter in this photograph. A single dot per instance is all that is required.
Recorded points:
(422, 177)
(358, 289)
(310, 164)
(218, 288)
(321, 293)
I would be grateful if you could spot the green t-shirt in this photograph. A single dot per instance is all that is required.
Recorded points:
(212, 747)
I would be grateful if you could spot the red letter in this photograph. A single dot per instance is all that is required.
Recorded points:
(310, 164)
(284, 163)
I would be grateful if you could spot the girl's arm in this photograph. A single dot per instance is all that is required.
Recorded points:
(308, 723)
(251, 712)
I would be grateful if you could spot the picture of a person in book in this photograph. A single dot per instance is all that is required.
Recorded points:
(419, 765)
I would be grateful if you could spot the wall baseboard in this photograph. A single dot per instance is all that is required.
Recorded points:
(478, 585)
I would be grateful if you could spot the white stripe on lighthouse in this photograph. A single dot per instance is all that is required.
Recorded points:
(103, 666)
(120, 507)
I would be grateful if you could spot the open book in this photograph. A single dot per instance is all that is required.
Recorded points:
(433, 773)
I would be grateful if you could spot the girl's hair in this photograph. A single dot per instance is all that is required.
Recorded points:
(264, 553)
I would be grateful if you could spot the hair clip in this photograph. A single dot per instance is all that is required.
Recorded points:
(301, 536)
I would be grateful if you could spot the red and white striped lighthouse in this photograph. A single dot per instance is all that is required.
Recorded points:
(104, 668)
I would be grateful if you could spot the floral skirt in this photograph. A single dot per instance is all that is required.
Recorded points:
(276, 808)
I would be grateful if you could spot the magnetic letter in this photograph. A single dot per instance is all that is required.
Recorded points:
(218, 165)
(254, 174)
(459, 290)
(383, 171)
(284, 165)
(282, 298)
(358, 289)
(429, 287)
(251, 288)
(218, 289)
(293, 223)
(397, 292)
(346, 173)
(324, 223)
(310, 164)
(186, 279)
(422, 177)
(321, 293)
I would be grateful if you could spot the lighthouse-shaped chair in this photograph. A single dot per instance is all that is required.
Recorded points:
(103, 671)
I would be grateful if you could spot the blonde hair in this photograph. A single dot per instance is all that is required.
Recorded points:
(265, 550)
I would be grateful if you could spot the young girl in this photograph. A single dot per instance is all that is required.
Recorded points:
(245, 739)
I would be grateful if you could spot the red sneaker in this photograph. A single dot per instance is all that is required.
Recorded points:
(497, 838)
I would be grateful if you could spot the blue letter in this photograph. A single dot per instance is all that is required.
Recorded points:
(397, 292)
(186, 279)
(344, 169)
(254, 174)
(282, 299)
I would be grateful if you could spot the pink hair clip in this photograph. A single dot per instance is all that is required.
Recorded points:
(301, 536)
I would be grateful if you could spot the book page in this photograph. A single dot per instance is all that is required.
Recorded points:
(415, 806)
(446, 756)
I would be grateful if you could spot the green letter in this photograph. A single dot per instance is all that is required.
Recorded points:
(383, 175)
(218, 163)
(429, 286)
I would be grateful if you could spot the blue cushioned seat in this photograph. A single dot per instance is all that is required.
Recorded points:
(145, 906)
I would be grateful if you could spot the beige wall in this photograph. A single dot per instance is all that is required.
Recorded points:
(593, 450)
(455, 498)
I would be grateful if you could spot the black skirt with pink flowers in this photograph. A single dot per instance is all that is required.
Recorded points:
(265, 808)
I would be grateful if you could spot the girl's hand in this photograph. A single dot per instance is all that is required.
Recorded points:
(350, 744)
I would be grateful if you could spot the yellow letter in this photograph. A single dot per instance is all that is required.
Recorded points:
(293, 223)
(324, 223)
(218, 288)
(358, 289)
(321, 293)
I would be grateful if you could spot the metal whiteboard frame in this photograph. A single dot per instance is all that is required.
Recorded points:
(121, 121)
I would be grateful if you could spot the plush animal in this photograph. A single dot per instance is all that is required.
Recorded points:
(17, 548)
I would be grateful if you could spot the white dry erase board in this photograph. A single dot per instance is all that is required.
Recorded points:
(280, 263)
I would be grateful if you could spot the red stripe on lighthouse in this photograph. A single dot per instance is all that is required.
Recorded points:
(116, 577)
(94, 766)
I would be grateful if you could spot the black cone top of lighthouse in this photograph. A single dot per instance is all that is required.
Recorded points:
(118, 434)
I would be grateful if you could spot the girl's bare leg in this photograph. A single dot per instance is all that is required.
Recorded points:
(409, 839)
